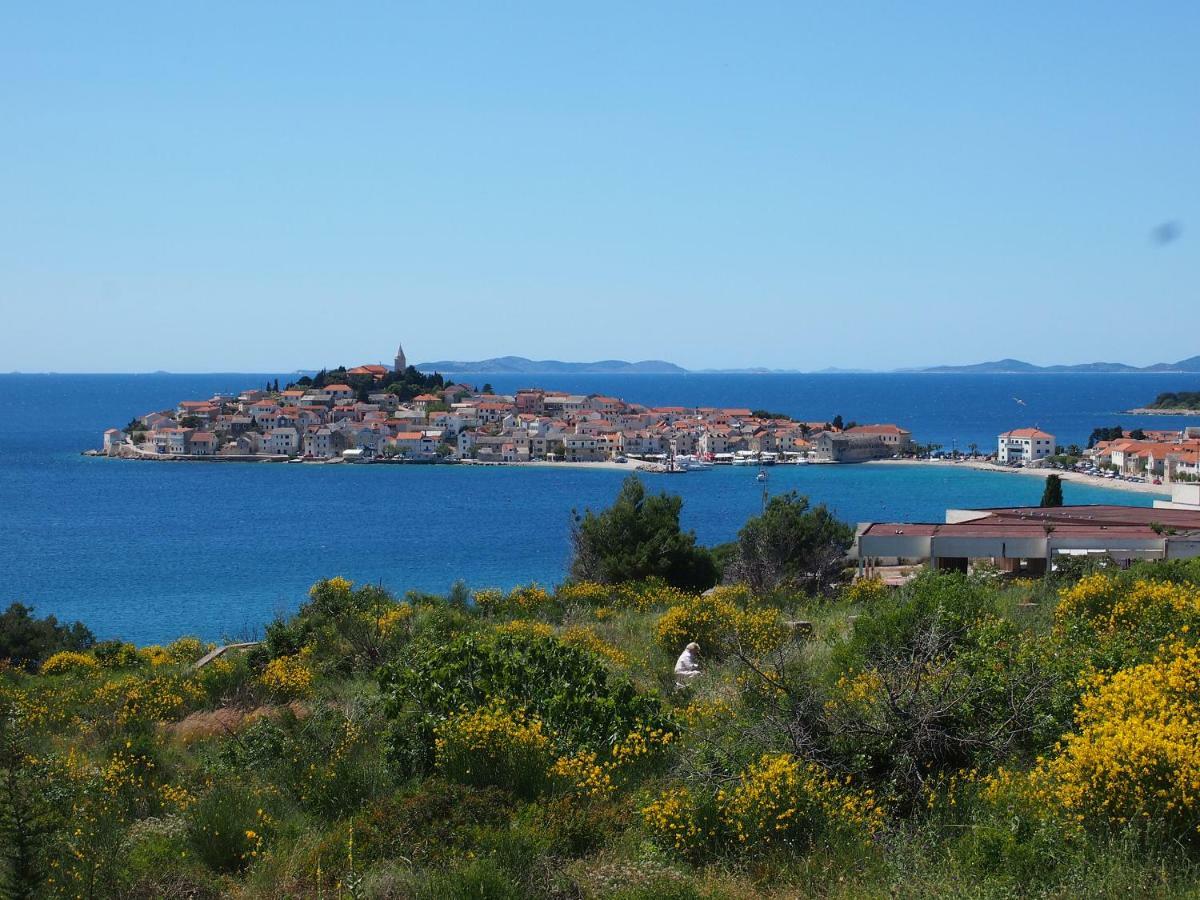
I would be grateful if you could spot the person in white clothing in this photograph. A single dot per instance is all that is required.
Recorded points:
(687, 666)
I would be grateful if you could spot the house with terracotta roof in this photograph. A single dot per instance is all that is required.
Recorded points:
(893, 436)
(202, 443)
(1023, 446)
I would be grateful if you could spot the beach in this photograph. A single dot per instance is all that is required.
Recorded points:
(1159, 490)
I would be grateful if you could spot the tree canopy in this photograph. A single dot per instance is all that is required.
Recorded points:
(639, 537)
(792, 545)
(1053, 494)
(26, 641)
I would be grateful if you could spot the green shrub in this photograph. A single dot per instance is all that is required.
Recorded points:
(572, 692)
(227, 826)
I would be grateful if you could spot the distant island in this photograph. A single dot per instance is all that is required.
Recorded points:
(1018, 367)
(1182, 403)
(519, 365)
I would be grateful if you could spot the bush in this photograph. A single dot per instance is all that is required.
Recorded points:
(69, 661)
(776, 801)
(117, 655)
(287, 678)
(719, 627)
(228, 827)
(639, 537)
(26, 641)
(494, 746)
(780, 800)
(1134, 758)
(1125, 621)
(577, 698)
(865, 591)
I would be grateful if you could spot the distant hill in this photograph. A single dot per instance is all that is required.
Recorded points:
(519, 365)
(1016, 366)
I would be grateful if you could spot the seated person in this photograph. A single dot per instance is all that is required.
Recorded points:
(687, 666)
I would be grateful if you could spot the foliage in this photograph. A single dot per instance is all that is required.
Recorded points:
(492, 745)
(287, 677)
(791, 546)
(1133, 759)
(639, 537)
(26, 641)
(69, 661)
(1177, 400)
(865, 592)
(776, 801)
(719, 627)
(950, 741)
(568, 689)
(1052, 495)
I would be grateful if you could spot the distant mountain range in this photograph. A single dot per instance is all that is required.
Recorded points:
(1018, 367)
(519, 365)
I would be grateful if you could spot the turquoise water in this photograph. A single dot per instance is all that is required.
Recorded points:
(148, 551)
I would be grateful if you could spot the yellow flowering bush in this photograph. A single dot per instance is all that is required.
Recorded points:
(584, 593)
(780, 800)
(865, 591)
(494, 745)
(287, 677)
(682, 822)
(586, 639)
(394, 618)
(582, 774)
(644, 743)
(187, 649)
(69, 661)
(718, 626)
(647, 595)
(122, 700)
(525, 600)
(525, 628)
(1134, 756)
(488, 600)
(155, 655)
(1110, 604)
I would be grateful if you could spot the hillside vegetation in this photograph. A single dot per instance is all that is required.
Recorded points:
(957, 737)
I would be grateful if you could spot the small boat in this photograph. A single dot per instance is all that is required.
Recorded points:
(761, 476)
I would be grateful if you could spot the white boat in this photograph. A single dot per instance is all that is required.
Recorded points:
(761, 476)
(740, 460)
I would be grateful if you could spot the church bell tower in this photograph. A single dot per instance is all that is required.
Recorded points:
(401, 363)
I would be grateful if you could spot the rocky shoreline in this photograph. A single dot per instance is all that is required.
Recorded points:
(1149, 411)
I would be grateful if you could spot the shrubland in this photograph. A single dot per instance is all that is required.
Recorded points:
(959, 736)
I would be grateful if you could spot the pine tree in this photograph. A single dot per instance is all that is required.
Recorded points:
(1052, 495)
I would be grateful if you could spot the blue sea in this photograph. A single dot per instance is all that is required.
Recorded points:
(151, 551)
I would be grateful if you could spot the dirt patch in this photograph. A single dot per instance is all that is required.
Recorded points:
(227, 720)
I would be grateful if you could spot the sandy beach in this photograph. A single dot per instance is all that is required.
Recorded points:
(1079, 477)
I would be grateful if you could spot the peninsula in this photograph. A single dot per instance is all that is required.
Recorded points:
(1183, 403)
(378, 413)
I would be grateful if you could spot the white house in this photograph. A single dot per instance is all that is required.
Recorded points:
(282, 441)
(1024, 445)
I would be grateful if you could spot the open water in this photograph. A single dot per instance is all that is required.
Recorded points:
(151, 551)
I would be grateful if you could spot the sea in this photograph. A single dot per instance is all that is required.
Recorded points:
(147, 552)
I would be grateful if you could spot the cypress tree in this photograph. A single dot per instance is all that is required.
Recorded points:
(1052, 495)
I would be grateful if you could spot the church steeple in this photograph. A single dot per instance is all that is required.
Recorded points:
(401, 363)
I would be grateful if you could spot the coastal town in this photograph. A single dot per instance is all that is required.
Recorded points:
(365, 414)
(396, 414)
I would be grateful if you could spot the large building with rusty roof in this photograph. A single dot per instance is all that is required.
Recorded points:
(1029, 538)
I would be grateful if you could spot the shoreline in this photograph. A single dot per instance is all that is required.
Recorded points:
(1147, 411)
(1159, 490)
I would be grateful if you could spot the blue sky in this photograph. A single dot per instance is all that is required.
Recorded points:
(268, 186)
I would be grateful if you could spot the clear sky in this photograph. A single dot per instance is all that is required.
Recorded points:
(270, 186)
